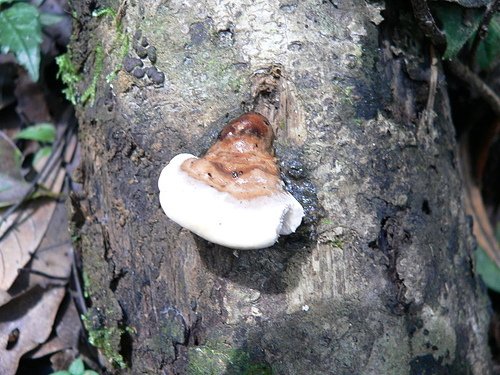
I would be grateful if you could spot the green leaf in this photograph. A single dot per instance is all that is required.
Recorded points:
(90, 372)
(43, 132)
(42, 153)
(13, 187)
(458, 24)
(49, 19)
(77, 367)
(64, 372)
(488, 51)
(6, 1)
(21, 33)
(488, 270)
(471, 3)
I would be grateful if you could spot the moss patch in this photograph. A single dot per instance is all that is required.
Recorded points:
(106, 339)
(89, 93)
(69, 76)
(222, 359)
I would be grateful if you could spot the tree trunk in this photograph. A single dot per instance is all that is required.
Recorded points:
(379, 278)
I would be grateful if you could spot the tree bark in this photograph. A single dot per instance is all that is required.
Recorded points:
(379, 279)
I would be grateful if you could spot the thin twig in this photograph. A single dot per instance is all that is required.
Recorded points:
(428, 113)
(76, 287)
(43, 274)
(468, 76)
(482, 30)
(427, 24)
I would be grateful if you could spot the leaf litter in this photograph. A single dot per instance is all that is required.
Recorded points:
(39, 321)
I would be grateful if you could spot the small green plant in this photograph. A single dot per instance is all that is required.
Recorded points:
(77, 367)
(69, 76)
(21, 33)
(106, 339)
(44, 133)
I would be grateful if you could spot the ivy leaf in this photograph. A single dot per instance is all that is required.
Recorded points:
(459, 25)
(21, 33)
(43, 132)
(488, 51)
(77, 367)
(489, 271)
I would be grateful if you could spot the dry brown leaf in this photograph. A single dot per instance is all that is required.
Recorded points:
(53, 257)
(12, 184)
(23, 238)
(25, 323)
(67, 332)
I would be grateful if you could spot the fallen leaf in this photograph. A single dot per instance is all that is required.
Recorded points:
(31, 316)
(67, 331)
(53, 257)
(22, 232)
(13, 187)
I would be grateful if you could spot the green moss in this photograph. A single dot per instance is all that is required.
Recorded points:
(347, 95)
(236, 83)
(86, 284)
(358, 121)
(89, 93)
(104, 12)
(106, 339)
(327, 221)
(69, 76)
(337, 243)
(222, 359)
(122, 43)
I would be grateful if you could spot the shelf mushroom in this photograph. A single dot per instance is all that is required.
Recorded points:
(233, 195)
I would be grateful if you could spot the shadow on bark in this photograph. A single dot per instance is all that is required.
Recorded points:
(271, 271)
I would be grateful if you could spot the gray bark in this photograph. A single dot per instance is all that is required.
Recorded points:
(379, 279)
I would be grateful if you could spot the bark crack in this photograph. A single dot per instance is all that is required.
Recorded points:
(389, 241)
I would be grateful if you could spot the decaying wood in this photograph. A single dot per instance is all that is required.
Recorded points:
(378, 279)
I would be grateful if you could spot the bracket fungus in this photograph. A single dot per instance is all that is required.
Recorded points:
(233, 195)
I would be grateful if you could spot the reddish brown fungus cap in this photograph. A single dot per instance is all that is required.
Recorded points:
(241, 162)
(233, 195)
